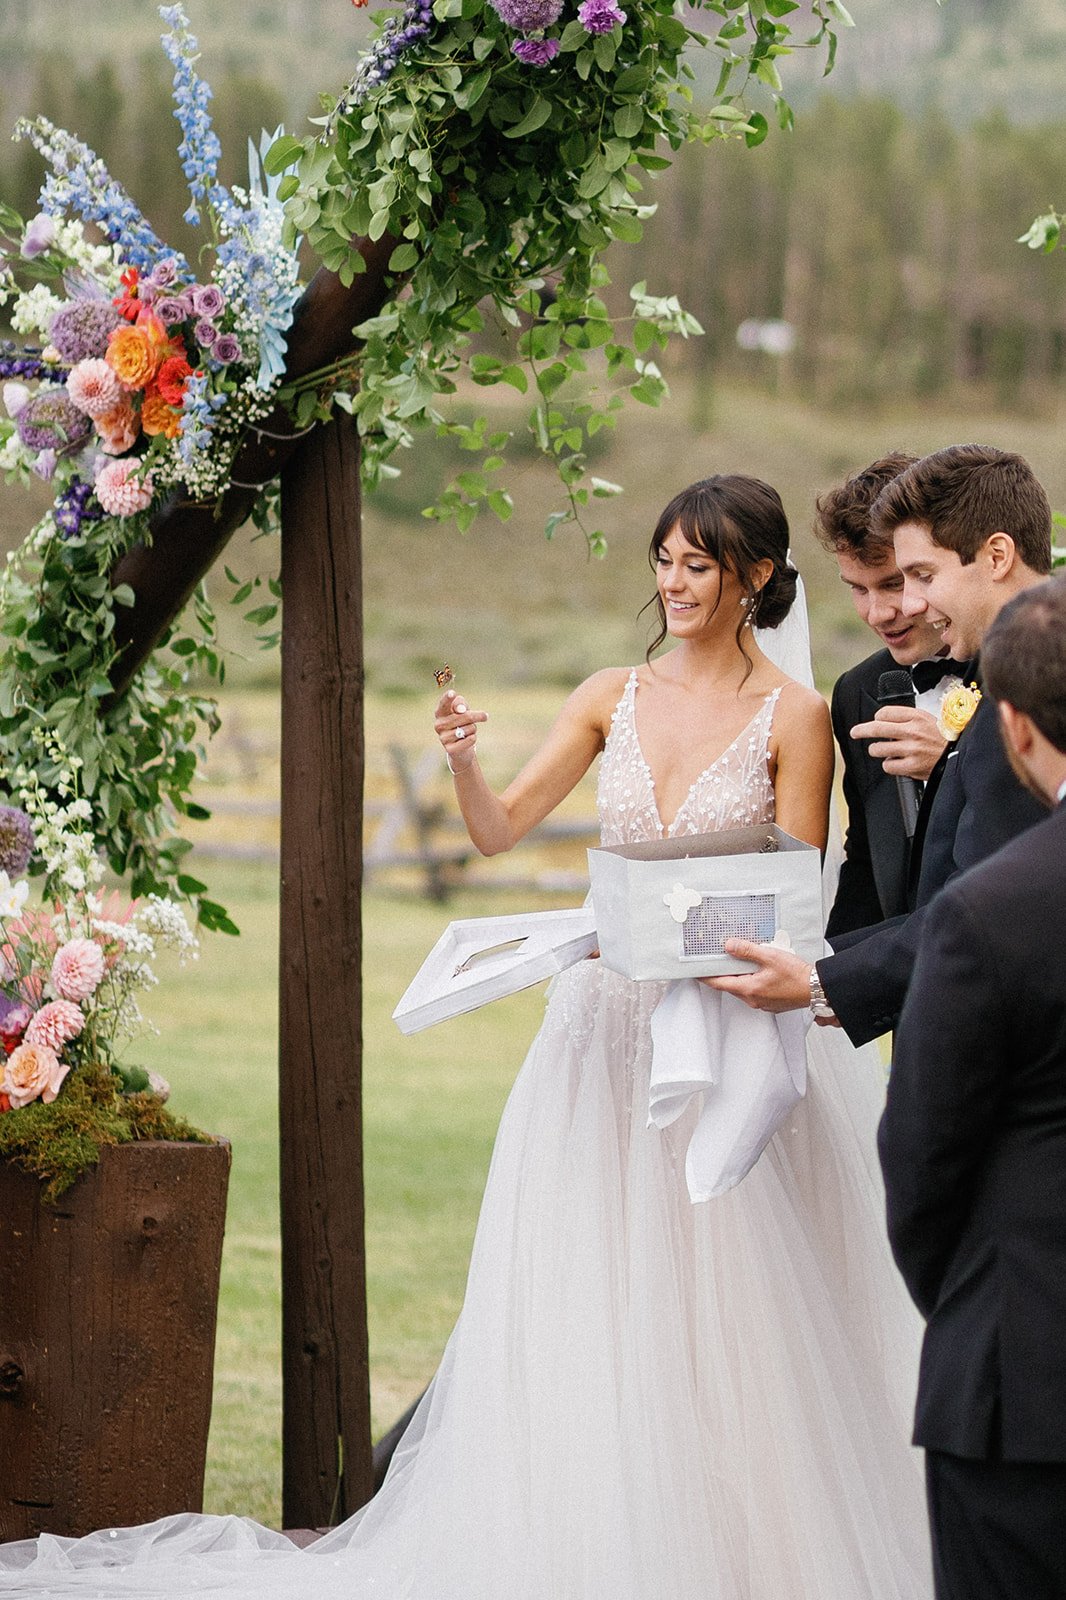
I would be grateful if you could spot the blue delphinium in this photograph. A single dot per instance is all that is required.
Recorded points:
(199, 149)
(78, 181)
(197, 417)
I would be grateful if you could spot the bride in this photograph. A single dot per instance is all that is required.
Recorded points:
(643, 1397)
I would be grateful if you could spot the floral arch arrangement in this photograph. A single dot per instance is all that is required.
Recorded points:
(500, 147)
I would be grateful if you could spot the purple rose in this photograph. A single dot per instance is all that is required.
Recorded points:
(207, 300)
(599, 16)
(171, 309)
(205, 333)
(40, 236)
(536, 52)
(165, 273)
(227, 348)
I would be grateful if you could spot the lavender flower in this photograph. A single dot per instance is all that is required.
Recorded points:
(396, 37)
(45, 465)
(599, 16)
(207, 300)
(16, 841)
(51, 421)
(40, 236)
(16, 397)
(81, 330)
(536, 52)
(199, 149)
(27, 363)
(527, 16)
(226, 349)
(74, 506)
(80, 182)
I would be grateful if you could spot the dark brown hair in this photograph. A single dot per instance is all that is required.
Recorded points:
(963, 495)
(842, 515)
(1023, 657)
(738, 521)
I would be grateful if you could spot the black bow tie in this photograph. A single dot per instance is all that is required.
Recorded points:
(927, 674)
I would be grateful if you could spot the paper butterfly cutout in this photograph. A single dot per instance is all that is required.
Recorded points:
(680, 901)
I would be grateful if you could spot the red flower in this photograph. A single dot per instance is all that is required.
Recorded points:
(127, 303)
(5, 1101)
(171, 379)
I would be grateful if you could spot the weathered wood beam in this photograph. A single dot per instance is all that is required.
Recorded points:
(186, 538)
(327, 1469)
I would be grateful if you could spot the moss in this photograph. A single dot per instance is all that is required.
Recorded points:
(58, 1142)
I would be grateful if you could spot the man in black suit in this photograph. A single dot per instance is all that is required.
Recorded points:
(879, 744)
(973, 1147)
(971, 528)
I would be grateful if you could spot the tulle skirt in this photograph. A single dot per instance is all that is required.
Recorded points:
(643, 1399)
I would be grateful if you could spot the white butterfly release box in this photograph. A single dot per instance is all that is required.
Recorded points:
(665, 908)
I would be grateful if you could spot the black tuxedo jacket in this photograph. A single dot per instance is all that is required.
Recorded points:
(977, 806)
(973, 1147)
(874, 877)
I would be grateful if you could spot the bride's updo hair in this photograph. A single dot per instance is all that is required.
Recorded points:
(739, 521)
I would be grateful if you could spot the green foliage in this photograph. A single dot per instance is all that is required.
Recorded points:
(137, 754)
(502, 185)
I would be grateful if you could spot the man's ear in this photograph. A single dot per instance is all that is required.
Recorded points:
(1002, 555)
(1018, 728)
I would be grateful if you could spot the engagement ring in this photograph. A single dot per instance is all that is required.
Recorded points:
(460, 733)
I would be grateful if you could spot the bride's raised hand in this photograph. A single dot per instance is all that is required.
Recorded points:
(456, 727)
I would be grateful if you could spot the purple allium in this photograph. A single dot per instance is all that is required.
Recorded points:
(227, 348)
(51, 421)
(171, 309)
(207, 299)
(81, 329)
(536, 52)
(205, 333)
(526, 16)
(599, 16)
(16, 841)
(40, 236)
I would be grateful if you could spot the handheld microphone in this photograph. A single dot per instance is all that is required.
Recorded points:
(896, 689)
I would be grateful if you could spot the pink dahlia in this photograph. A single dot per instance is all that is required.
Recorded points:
(120, 491)
(77, 969)
(93, 387)
(54, 1024)
(32, 1070)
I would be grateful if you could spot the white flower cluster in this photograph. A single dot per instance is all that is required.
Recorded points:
(98, 261)
(34, 310)
(164, 922)
(208, 473)
(63, 836)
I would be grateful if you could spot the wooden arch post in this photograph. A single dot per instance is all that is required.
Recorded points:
(326, 1468)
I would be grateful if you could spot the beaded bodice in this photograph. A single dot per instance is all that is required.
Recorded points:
(733, 791)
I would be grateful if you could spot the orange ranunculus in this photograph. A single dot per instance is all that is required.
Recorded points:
(159, 417)
(172, 378)
(135, 353)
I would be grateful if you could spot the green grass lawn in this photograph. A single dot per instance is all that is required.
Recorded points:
(432, 1102)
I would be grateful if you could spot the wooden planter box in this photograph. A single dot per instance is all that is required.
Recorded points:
(108, 1302)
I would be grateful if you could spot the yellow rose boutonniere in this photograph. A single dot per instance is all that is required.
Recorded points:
(956, 709)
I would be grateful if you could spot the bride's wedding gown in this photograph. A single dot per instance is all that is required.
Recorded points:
(643, 1399)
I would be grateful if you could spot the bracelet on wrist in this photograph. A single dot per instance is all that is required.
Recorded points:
(819, 1005)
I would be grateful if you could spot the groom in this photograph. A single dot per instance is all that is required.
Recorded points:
(973, 1147)
(971, 528)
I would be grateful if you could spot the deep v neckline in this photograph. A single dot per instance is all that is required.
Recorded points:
(665, 830)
